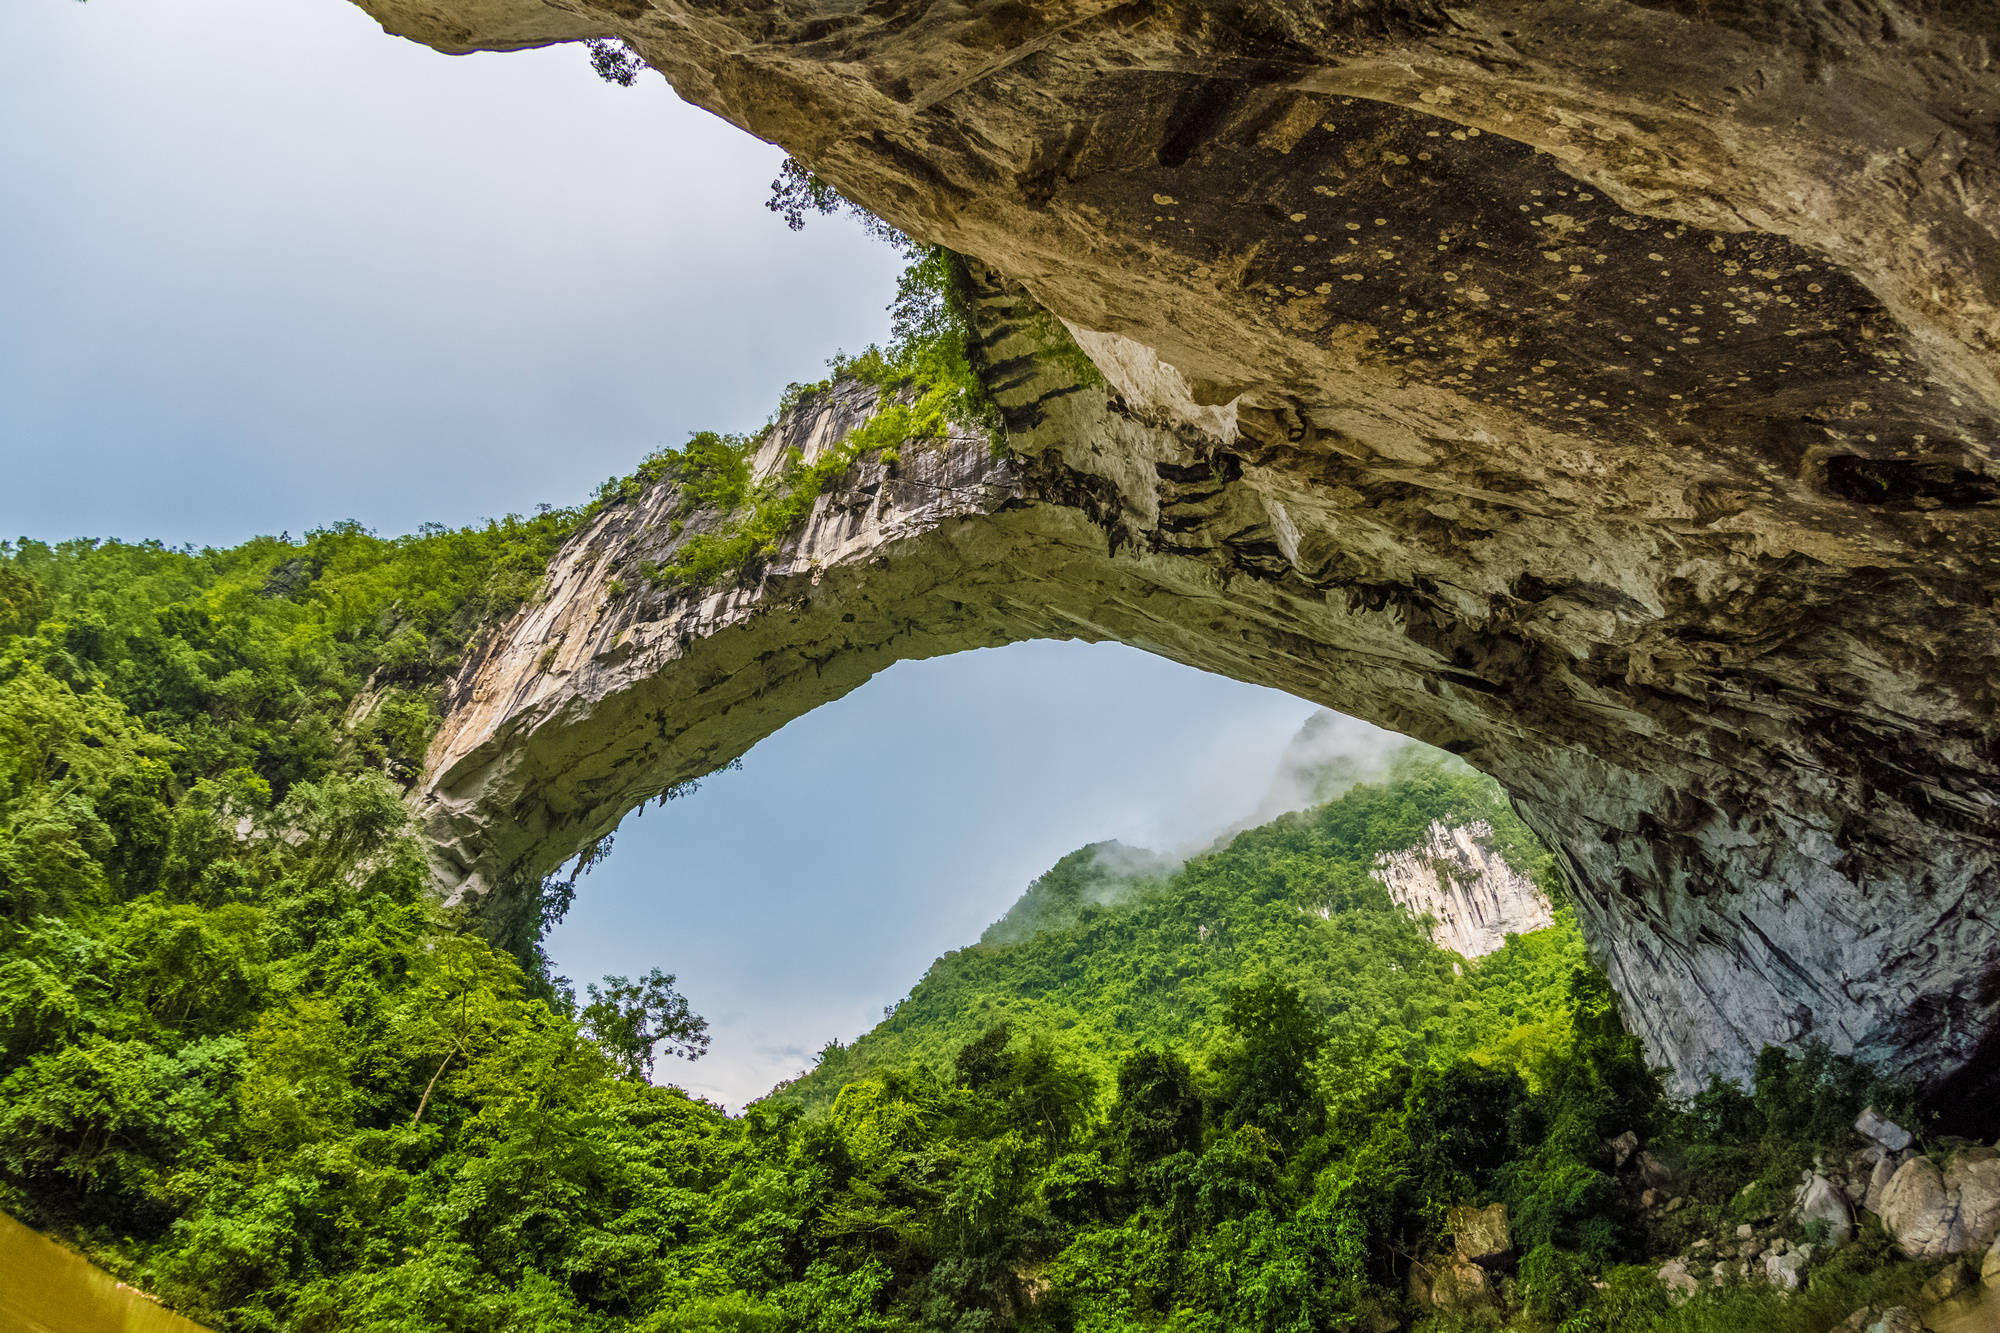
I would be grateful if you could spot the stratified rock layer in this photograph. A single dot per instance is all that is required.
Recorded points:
(1472, 897)
(1604, 391)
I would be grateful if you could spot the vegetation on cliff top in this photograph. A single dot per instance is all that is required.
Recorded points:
(925, 389)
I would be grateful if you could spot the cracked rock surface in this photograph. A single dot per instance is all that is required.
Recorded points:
(1473, 899)
(1605, 391)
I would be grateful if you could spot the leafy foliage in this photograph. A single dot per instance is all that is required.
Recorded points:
(614, 62)
(631, 1020)
(925, 388)
(247, 1062)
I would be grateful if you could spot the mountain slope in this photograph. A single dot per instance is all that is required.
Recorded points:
(1115, 948)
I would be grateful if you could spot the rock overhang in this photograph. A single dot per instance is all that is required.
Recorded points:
(1610, 396)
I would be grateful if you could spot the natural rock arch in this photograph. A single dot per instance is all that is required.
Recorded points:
(1603, 392)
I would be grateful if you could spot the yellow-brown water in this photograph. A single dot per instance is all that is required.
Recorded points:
(45, 1288)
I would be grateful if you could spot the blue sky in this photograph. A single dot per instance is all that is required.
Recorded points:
(267, 268)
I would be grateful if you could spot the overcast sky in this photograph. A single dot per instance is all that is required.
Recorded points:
(266, 268)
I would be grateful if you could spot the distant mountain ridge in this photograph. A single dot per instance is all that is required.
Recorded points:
(1351, 901)
(1100, 875)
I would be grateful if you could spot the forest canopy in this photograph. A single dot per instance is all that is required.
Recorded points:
(250, 1064)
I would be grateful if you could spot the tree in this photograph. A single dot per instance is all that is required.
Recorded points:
(629, 1020)
(1269, 1076)
(1159, 1108)
(614, 61)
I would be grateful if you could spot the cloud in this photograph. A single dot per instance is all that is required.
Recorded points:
(1330, 754)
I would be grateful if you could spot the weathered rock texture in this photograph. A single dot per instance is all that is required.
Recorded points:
(1473, 898)
(1934, 1213)
(1603, 390)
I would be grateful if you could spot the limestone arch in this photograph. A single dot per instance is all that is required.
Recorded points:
(1649, 459)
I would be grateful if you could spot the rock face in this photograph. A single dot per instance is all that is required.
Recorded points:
(1603, 390)
(1473, 898)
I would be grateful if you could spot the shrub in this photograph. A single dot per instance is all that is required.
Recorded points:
(1554, 1284)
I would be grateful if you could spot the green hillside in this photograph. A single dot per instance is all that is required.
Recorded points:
(1115, 947)
(248, 1063)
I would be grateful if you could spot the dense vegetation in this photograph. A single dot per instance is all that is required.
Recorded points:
(1115, 949)
(248, 1065)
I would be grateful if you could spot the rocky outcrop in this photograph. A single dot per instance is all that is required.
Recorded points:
(1472, 899)
(1934, 1213)
(1605, 391)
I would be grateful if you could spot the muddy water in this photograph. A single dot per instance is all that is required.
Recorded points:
(45, 1288)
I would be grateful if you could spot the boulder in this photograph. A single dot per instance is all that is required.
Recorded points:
(1989, 1272)
(1886, 1133)
(1819, 1201)
(1972, 1180)
(1879, 1176)
(1785, 1271)
(1899, 1319)
(1949, 1281)
(1680, 1284)
(1621, 1149)
(1481, 1236)
(1957, 1211)
(1859, 1166)
(1917, 1211)
(1655, 1172)
(1461, 1285)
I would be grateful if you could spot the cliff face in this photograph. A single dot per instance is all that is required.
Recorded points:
(607, 688)
(1603, 391)
(1473, 898)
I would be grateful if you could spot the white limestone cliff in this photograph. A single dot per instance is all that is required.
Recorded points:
(1473, 899)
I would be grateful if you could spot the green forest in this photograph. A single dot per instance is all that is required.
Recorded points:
(250, 1065)
(1115, 949)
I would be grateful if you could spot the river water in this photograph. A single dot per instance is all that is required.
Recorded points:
(45, 1288)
